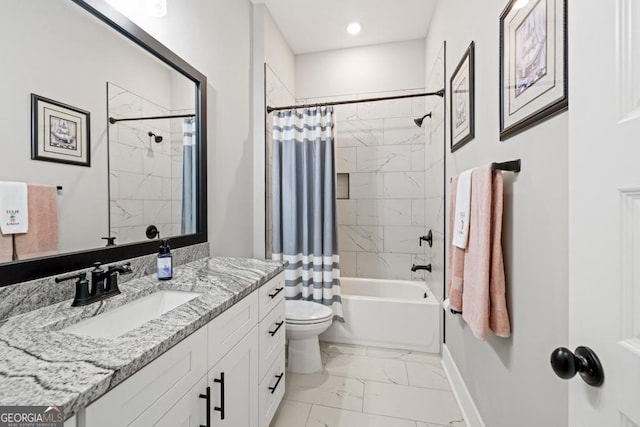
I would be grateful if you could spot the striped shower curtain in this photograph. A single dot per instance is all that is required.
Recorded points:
(304, 206)
(188, 176)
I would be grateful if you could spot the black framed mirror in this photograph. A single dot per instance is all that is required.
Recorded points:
(106, 18)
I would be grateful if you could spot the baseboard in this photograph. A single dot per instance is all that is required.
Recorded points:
(465, 402)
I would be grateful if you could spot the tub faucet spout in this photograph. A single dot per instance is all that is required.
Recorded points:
(421, 267)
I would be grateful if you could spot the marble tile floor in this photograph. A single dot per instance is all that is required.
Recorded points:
(370, 387)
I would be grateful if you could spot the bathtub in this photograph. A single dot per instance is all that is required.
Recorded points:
(387, 313)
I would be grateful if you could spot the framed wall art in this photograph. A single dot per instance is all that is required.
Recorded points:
(462, 104)
(59, 132)
(533, 63)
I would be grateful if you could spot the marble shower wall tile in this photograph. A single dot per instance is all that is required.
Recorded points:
(384, 265)
(347, 212)
(360, 238)
(387, 188)
(346, 160)
(359, 133)
(402, 239)
(366, 185)
(384, 212)
(404, 185)
(386, 158)
(403, 131)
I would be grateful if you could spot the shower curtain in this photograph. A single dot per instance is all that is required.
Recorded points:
(188, 177)
(304, 206)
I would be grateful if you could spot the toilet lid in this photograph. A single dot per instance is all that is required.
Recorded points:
(306, 310)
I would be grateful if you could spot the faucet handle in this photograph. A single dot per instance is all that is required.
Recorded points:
(112, 276)
(82, 288)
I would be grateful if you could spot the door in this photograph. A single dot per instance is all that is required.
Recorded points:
(604, 207)
(234, 385)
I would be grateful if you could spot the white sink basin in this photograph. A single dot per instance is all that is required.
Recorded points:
(121, 320)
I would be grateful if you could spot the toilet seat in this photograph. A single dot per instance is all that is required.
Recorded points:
(298, 312)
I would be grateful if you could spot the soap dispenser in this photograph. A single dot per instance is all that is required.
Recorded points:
(165, 261)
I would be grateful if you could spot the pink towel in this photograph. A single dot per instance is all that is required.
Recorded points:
(42, 238)
(477, 282)
(455, 258)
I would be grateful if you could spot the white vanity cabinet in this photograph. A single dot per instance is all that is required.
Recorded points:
(272, 343)
(238, 356)
(145, 397)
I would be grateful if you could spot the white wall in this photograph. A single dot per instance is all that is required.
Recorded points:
(510, 380)
(215, 37)
(273, 86)
(384, 67)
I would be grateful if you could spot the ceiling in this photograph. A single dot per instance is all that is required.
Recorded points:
(319, 25)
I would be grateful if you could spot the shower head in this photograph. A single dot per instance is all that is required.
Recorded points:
(418, 122)
(157, 138)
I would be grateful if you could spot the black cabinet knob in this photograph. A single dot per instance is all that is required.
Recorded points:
(585, 362)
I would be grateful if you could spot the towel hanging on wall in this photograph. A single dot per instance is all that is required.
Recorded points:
(476, 284)
(461, 214)
(14, 208)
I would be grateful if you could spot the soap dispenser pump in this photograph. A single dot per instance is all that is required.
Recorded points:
(165, 261)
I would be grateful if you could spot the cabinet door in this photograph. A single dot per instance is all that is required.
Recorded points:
(155, 388)
(190, 411)
(234, 385)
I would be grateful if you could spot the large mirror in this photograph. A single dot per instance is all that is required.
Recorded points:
(111, 120)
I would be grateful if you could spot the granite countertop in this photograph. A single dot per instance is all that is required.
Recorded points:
(39, 365)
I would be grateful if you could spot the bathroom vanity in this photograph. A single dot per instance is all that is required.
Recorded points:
(217, 359)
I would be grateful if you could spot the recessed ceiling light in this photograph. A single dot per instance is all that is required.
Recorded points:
(354, 28)
(519, 4)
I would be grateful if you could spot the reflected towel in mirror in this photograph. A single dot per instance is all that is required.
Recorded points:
(14, 208)
(42, 239)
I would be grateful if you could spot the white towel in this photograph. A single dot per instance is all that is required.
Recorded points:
(463, 207)
(14, 209)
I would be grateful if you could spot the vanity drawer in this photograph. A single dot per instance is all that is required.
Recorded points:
(272, 389)
(272, 337)
(230, 327)
(271, 293)
(159, 384)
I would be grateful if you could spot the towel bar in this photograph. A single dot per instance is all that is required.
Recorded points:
(510, 166)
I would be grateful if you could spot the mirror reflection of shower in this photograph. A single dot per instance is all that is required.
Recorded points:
(419, 121)
(152, 162)
(156, 138)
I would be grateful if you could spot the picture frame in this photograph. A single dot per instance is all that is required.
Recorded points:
(59, 133)
(462, 100)
(533, 64)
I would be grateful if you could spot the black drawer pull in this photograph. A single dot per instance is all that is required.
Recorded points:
(208, 397)
(278, 326)
(221, 407)
(279, 377)
(278, 290)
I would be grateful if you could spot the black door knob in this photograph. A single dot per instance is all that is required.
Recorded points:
(585, 362)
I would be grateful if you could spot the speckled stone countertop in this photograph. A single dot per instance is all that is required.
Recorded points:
(39, 365)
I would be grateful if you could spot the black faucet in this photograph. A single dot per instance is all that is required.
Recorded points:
(421, 267)
(99, 290)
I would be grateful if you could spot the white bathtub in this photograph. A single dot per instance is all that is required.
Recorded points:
(387, 313)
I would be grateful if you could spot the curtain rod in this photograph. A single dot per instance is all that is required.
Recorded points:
(113, 120)
(354, 101)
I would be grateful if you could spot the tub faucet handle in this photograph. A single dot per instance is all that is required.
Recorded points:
(421, 267)
(428, 238)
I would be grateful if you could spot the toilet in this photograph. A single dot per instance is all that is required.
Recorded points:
(305, 321)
